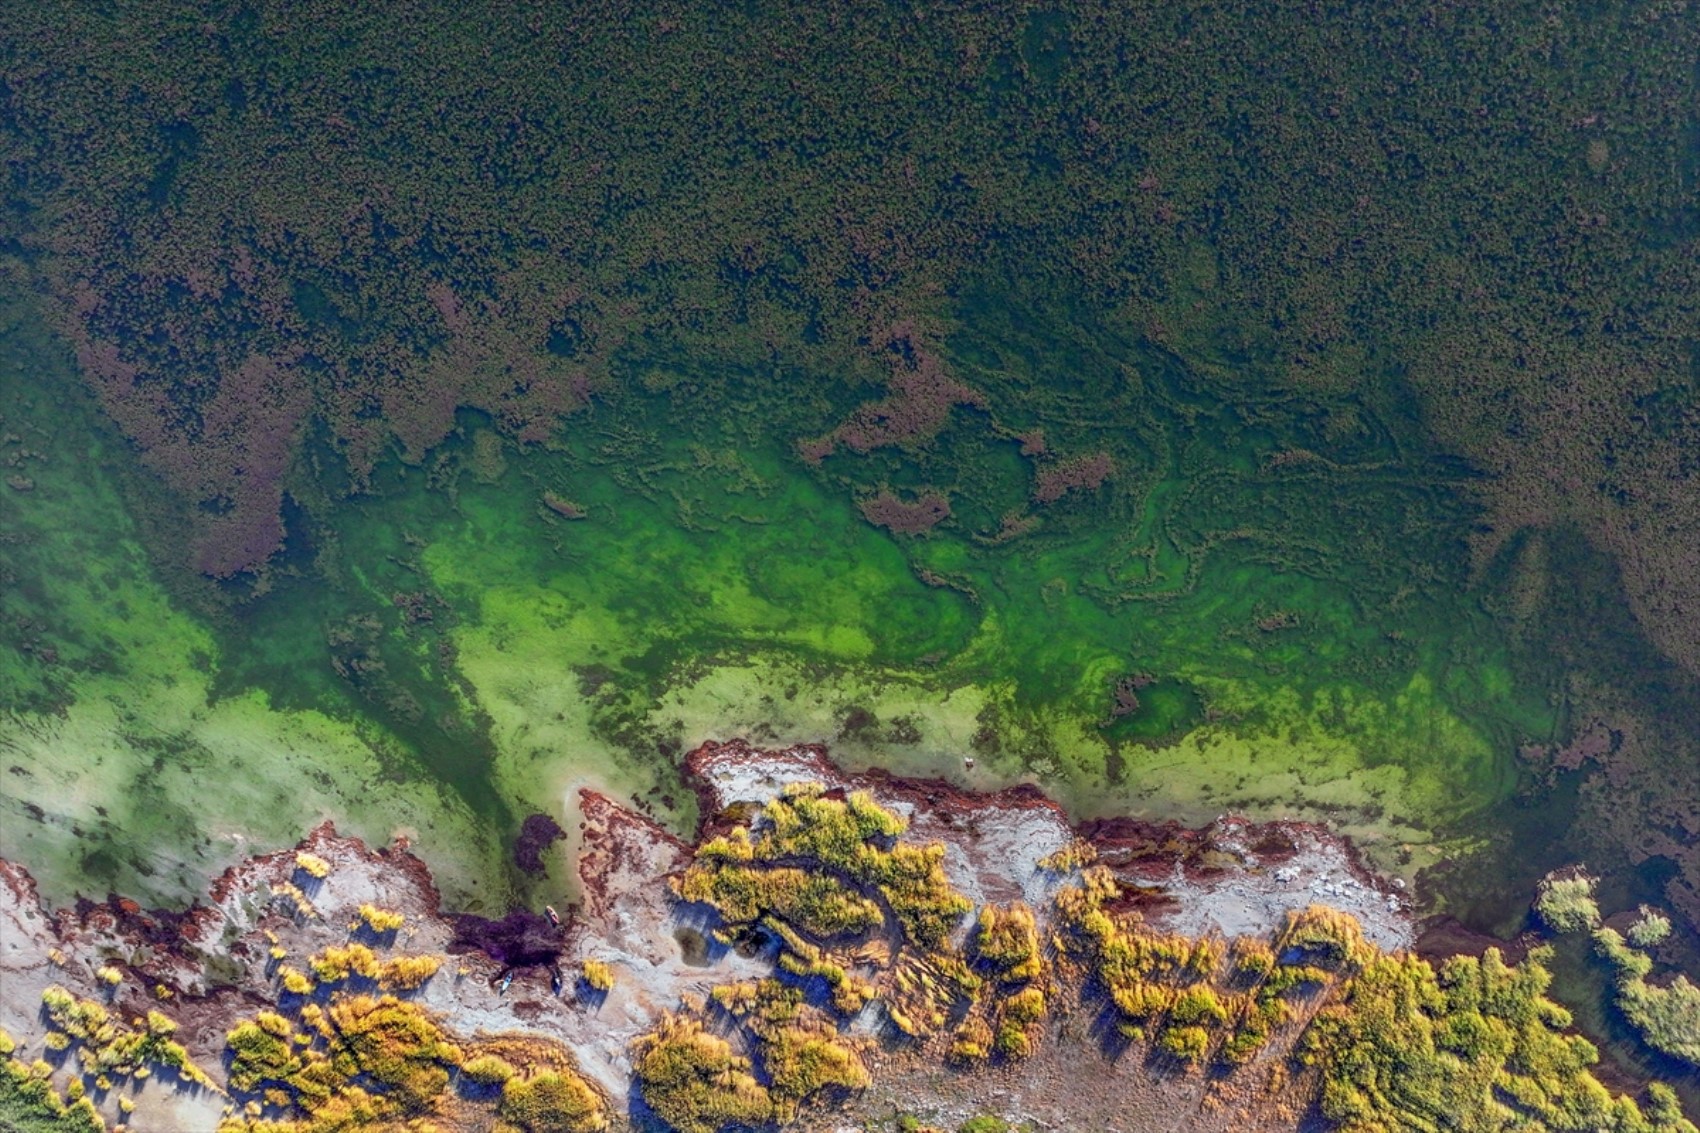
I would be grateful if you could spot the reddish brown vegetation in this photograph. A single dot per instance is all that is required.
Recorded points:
(1124, 693)
(1078, 474)
(221, 430)
(623, 854)
(226, 455)
(562, 506)
(920, 395)
(906, 517)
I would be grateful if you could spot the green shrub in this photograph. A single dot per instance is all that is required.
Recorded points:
(487, 1070)
(1566, 903)
(29, 1104)
(1198, 1006)
(694, 1081)
(1474, 1047)
(984, 1124)
(552, 1102)
(1652, 928)
(1012, 1040)
(1250, 1037)
(1189, 1044)
(1667, 1018)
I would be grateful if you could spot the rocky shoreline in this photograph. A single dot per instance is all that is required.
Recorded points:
(222, 960)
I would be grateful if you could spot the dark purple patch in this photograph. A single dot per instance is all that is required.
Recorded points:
(522, 939)
(536, 834)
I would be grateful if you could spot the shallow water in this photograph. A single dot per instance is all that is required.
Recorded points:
(1283, 580)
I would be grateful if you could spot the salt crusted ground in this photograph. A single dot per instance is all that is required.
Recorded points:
(1230, 878)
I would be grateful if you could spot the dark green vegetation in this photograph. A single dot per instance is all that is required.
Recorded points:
(1192, 408)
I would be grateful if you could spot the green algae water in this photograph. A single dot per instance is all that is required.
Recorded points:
(1071, 397)
(1282, 583)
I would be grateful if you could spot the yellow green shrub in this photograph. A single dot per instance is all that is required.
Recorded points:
(809, 847)
(408, 972)
(972, 1040)
(1250, 959)
(362, 1061)
(1142, 1001)
(552, 1102)
(1189, 1044)
(817, 904)
(1565, 902)
(312, 865)
(800, 1050)
(108, 1046)
(379, 920)
(396, 1045)
(925, 987)
(1472, 1047)
(261, 1051)
(339, 962)
(487, 1070)
(296, 899)
(694, 1081)
(802, 1060)
(296, 982)
(1007, 940)
(1025, 1006)
(1077, 854)
(1325, 938)
(849, 994)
